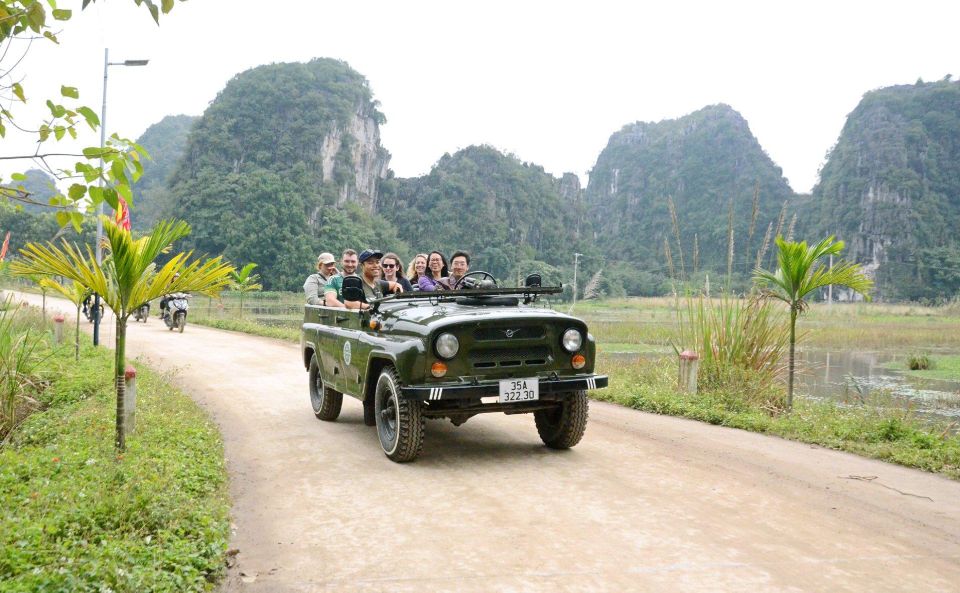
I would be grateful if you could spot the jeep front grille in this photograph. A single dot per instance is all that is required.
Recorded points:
(510, 357)
(499, 334)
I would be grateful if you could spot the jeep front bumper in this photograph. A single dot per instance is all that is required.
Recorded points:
(550, 388)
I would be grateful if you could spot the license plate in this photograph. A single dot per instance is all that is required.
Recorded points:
(519, 390)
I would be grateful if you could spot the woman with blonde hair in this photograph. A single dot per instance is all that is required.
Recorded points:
(417, 268)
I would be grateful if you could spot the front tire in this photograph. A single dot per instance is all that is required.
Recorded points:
(181, 321)
(563, 427)
(399, 421)
(325, 401)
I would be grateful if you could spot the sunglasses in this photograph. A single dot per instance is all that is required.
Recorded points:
(388, 265)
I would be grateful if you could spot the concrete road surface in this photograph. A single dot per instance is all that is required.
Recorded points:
(644, 503)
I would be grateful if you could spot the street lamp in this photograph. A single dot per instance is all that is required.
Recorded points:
(103, 142)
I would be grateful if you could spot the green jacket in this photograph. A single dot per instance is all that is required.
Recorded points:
(313, 288)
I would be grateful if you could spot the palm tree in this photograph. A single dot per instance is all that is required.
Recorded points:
(800, 273)
(244, 282)
(128, 278)
(76, 294)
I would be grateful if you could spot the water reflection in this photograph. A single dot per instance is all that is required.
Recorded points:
(855, 376)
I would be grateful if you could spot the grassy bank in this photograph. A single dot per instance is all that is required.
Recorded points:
(942, 367)
(77, 517)
(868, 428)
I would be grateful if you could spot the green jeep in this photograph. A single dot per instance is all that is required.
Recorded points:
(451, 354)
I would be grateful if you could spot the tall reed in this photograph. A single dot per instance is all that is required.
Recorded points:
(19, 357)
(741, 342)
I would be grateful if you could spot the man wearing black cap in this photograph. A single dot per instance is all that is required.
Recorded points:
(373, 286)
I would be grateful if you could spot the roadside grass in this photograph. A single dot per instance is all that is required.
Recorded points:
(288, 334)
(867, 428)
(77, 517)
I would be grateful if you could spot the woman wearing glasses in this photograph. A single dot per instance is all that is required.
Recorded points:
(393, 271)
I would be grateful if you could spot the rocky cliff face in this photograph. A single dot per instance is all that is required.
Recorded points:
(356, 145)
(891, 187)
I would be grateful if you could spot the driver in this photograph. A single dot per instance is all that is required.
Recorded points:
(373, 286)
(459, 266)
(166, 297)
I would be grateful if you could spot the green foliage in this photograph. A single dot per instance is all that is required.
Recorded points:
(671, 184)
(251, 182)
(802, 271)
(740, 341)
(890, 187)
(22, 344)
(28, 19)
(502, 211)
(127, 278)
(80, 518)
(166, 142)
(919, 362)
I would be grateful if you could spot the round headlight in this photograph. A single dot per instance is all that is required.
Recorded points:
(447, 345)
(572, 340)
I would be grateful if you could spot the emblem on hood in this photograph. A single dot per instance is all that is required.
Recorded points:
(510, 332)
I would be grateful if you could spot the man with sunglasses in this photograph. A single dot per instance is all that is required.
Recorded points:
(373, 286)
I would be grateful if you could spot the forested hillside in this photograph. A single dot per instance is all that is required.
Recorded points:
(891, 189)
(704, 164)
(513, 217)
(285, 163)
(166, 142)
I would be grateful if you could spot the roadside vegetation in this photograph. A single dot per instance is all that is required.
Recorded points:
(873, 426)
(78, 516)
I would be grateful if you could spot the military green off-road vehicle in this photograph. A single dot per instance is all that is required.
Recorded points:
(453, 355)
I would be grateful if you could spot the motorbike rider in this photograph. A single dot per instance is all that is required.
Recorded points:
(165, 298)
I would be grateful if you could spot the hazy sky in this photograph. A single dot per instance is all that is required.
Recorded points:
(546, 81)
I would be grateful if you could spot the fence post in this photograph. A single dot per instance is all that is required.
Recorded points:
(130, 400)
(58, 328)
(689, 364)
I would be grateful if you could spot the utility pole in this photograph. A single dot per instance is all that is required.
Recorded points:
(576, 263)
(830, 287)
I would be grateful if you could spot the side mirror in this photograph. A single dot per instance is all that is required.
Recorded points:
(533, 280)
(353, 289)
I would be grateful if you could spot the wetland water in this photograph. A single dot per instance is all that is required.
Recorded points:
(853, 376)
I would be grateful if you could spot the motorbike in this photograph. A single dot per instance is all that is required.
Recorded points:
(88, 310)
(176, 314)
(142, 312)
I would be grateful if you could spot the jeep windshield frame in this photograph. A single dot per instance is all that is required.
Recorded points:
(529, 293)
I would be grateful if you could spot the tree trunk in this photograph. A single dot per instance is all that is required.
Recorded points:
(241, 305)
(793, 344)
(120, 365)
(76, 341)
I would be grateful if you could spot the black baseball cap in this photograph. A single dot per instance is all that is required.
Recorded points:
(368, 253)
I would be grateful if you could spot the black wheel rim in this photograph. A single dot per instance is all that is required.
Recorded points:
(316, 389)
(388, 419)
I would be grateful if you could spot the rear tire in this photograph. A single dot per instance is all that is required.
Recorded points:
(563, 427)
(399, 421)
(325, 401)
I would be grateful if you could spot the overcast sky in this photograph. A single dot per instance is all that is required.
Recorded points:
(546, 81)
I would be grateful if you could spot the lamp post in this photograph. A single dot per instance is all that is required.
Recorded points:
(103, 142)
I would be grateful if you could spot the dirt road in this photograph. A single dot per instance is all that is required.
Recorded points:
(644, 503)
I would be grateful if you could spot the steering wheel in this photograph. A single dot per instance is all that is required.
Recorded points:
(484, 275)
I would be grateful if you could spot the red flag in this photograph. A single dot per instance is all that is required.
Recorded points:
(122, 215)
(6, 245)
